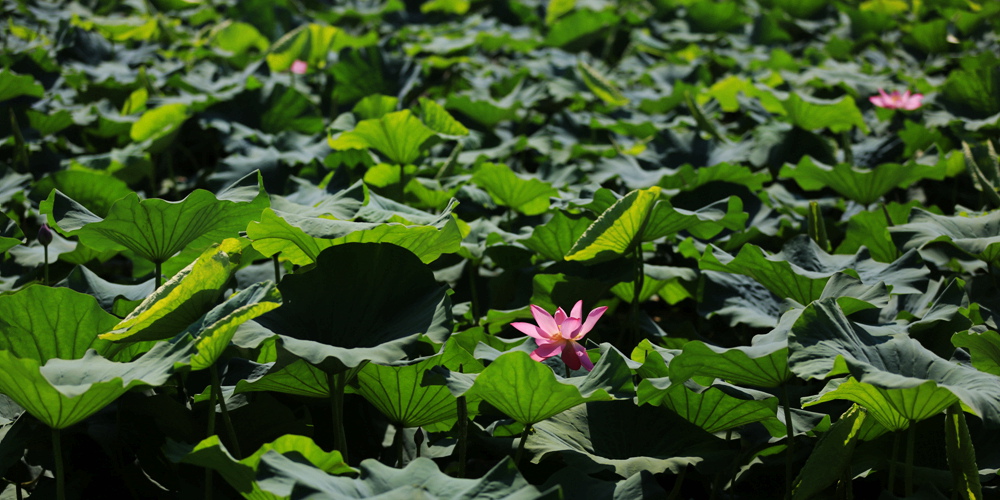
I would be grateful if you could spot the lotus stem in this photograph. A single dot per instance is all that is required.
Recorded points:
(520, 445)
(277, 268)
(473, 271)
(397, 442)
(789, 452)
(892, 462)
(210, 432)
(911, 437)
(60, 470)
(230, 430)
(845, 144)
(157, 277)
(46, 264)
(463, 433)
(676, 490)
(337, 383)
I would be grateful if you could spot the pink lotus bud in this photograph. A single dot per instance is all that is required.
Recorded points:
(44, 235)
(299, 67)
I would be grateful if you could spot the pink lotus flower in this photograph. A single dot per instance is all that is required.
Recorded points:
(299, 67)
(561, 333)
(895, 100)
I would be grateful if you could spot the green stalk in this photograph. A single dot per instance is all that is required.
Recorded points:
(337, 383)
(277, 268)
(911, 437)
(398, 445)
(230, 430)
(463, 432)
(157, 277)
(46, 265)
(60, 471)
(845, 144)
(892, 462)
(676, 490)
(789, 452)
(520, 445)
(209, 474)
(473, 271)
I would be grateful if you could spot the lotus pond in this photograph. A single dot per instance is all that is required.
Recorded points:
(499, 249)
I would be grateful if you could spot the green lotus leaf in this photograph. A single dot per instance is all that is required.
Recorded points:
(298, 377)
(240, 40)
(213, 331)
(600, 85)
(528, 391)
(399, 393)
(785, 274)
(764, 365)
(312, 43)
(871, 230)
(579, 27)
(438, 119)
(241, 474)
(362, 302)
(86, 281)
(97, 191)
(894, 409)
(530, 197)
(301, 239)
(156, 229)
(864, 186)
(554, 239)
(688, 178)
(984, 348)
(703, 223)
(615, 435)
(284, 477)
(908, 377)
(10, 235)
(810, 114)
(961, 454)
(159, 122)
(13, 85)
(656, 277)
(618, 228)
(399, 136)
(484, 111)
(718, 407)
(177, 304)
(978, 236)
(831, 457)
(50, 364)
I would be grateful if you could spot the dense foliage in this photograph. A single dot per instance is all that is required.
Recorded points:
(275, 249)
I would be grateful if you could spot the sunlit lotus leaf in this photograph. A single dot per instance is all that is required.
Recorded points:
(555, 238)
(831, 456)
(528, 196)
(579, 27)
(213, 331)
(718, 407)
(301, 239)
(399, 136)
(51, 364)
(894, 409)
(977, 235)
(656, 277)
(13, 85)
(810, 113)
(156, 229)
(615, 435)
(241, 474)
(399, 391)
(159, 122)
(898, 371)
(688, 178)
(600, 85)
(94, 190)
(863, 185)
(361, 302)
(529, 392)
(437, 118)
(961, 454)
(801, 270)
(618, 228)
(298, 377)
(180, 301)
(284, 477)
(871, 230)
(764, 365)
(984, 348)
(312, 43)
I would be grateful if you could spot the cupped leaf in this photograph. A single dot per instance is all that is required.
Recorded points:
(177, 304)
(301, 239)
(362, 302)
(915, 381)
(399, 136)
(764, 365)
(153, 228)
(615, 435)
(703, 223)
(284, 477)
(979, 236)
(895, 409)
(528, 391)
(984, 348)
(97, 191)
(213, 331)
(831, 457)
(618, 228)
(863, 185)
(241, 474)
(718, 407)
(528, 196)
(555, 238)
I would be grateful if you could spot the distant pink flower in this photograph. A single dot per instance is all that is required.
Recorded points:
(561, 334)
(299, 67)
(895, 100)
